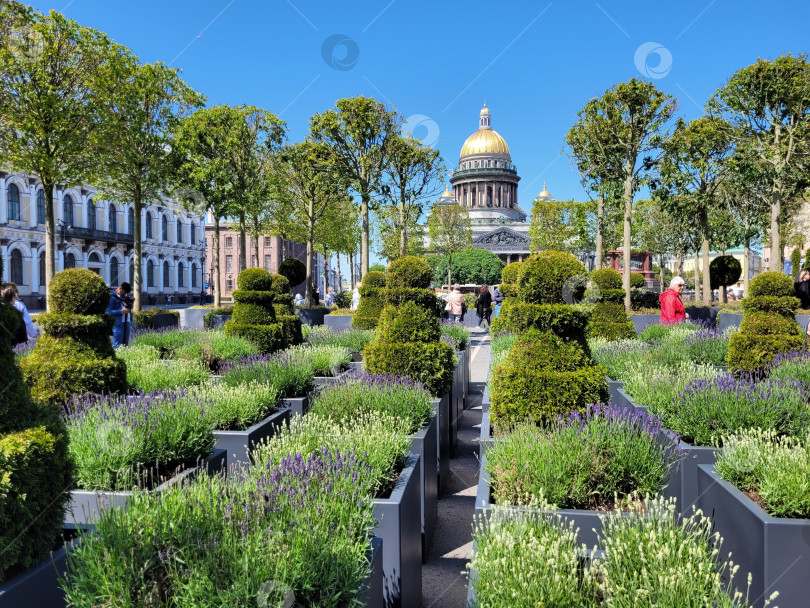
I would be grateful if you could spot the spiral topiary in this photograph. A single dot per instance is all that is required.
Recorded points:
(608, 318)
(294, 270)
(254, 315)
(769, 324)
(34, 466)
(75, 354)
(371, 301)
(285, 309)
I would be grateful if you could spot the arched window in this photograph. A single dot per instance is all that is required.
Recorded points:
(42, 269)
(150, 274)
(193, 235)
(113, 218)
(194, 275)
(179, 230)
(70, 261)
(149, 224)
(91, 214)
(67, 208)
(17, 267)
(41, 206)
(13, 203)
(180, 272)
(130, 221)
(166, 278)
(164, 233)
(114, 280)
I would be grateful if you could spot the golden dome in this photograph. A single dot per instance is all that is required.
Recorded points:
(545, 193)
(447, 191)
(485, 140)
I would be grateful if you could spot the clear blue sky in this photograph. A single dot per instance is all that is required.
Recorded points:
(535, 63)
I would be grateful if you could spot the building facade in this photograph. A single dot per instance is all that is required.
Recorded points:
(98, 235)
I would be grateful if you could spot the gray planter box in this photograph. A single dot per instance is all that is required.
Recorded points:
(219, 321)
(442, 409)
(338, 322)
(164, 320)
(400, 530)
(775, 550)
(486, 402)
(701, 313)
(424, 444)
(321, 381)
(642, 321)
(311, 316)
(298, 406)
(193, 317)
(86, 506)
(239, 444)
(371, 592)
(466, 372)
(456, 402)
(728, 319)
(37, 587)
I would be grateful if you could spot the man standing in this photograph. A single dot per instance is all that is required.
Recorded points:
(120, 309)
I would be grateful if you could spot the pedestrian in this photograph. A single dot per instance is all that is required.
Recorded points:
(329, 300)
(672, 310)
(801, 288)
(455, 301)
(497, 298)
(483, 306)
(356, 296)
(299, 299)
(120, 309)
(26, 331)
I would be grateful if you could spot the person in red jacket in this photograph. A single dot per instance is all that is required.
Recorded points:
(672, 310)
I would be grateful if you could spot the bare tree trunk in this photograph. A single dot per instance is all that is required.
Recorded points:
(697, 275)
(600, 221)
(449, 269)
(325, 274)
(50, 240)
(339, 287)
(256, 250)
(628, 216)
(242, 243)
(776, 217)
(217, 273)
(364, 233)
(707, 285)
(746, 265)
(310, 251)
(137, 280)
(351, 270)
(679, 264)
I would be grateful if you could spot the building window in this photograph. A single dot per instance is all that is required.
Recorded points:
(164, 233)
(267, 262)
(149, 224)
(253, 261)
(114, 280)
(180, 278)
(166, 278)
(193, 275)
(228, 263)
(130, 221)
(42, 269)
(179, 231)
(13, 204)
(67, 208)
(41, 207)
(229, 241)
(94, 258)
(91, 214)
(113, 220)
(150, 274)
(230, 284)
(17, 267)
(193, 233)
(70, 261)
(267, 241)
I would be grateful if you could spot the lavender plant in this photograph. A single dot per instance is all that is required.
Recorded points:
(656, 386)
(353, 339)
(794, 365)
(324, 360)
(302, 525)
(118, 442)
(583, 461)
(236, 408)
(147, 372)
(614, 356)
(708, 345)
(281, 370)
(459, 334)
(397, 395)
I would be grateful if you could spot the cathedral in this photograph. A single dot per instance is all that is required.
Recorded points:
(485, 182)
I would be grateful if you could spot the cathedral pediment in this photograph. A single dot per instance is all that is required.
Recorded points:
(502, 236)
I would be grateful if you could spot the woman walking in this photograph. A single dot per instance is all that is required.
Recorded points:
(483, 306)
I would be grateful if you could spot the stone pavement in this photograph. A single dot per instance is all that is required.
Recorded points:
(444, 580)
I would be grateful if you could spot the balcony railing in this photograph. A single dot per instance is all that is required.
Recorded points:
(92, 234)
(484, 171)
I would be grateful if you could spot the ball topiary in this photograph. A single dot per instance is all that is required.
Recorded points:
(280, 285)
(78, 291)
(636, 280)
(254, 279)
(607, 278)
(373, 278)
(771, 284)
(295, 271)
(511, 273)
(544, 275)
(724, 270)
(409, 271)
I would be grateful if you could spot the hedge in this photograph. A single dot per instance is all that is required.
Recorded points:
(291, 324)
(545, 274)
(253, 314)
(265, 299)
(759, 323)
(511, 272)
(636, 280)
(607, 278)
(752, 353)
(409, 271)
(781, 305)
(145, 319)
(408, 323)
(508, 290)
(371, 302)
(424, 298)
(564, 321)
(431, 363)
(612, 331)
(267, 338)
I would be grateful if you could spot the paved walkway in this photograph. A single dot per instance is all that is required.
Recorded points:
(444, 580)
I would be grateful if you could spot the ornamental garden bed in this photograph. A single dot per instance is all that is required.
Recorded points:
(240, 444)
(424, 444)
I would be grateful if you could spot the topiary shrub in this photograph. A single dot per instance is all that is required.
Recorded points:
(544, 377)
(607, 278)
(75, 355)
(294, 270)
(371, 301)
(724, 270)
(544, 276)
(34, 467)
(508, 290)
(254, 314)
(424, 298)
(566, 322)
(409, 271)
(511, 273)
(285, 310)
(609, 321)
(769, 324)
(636, 280)
(643, 298)
(145, 319)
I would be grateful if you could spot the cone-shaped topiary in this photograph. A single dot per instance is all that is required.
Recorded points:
(34, 467)
(285, 309)
(769, 324)
(254, 315)
(608, 318)
(75, 355)
(371, 301)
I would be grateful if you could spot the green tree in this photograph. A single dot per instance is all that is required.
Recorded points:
(656, 230)
(389, 233)
(57, 82)
(795, 260)
(768, 103)
(633, 116)
(360, 131)
(694, 166)
(470, 267)
(450, 232)
(560, 226)
(134, 168)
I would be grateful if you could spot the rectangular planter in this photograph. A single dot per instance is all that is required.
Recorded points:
(338, 322)
(371, 592)
(400, 530)
(311, 316)
(442, 409)
(298, 406)
(321, 381)
(86, 506)
(193, 317)
(642, 321)
(466, 378)
(424, 444)
(456, 402)
(775, 550)
(219, 321)
(728, 319)
(486, 402)
(239, 444)
(37, 587)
